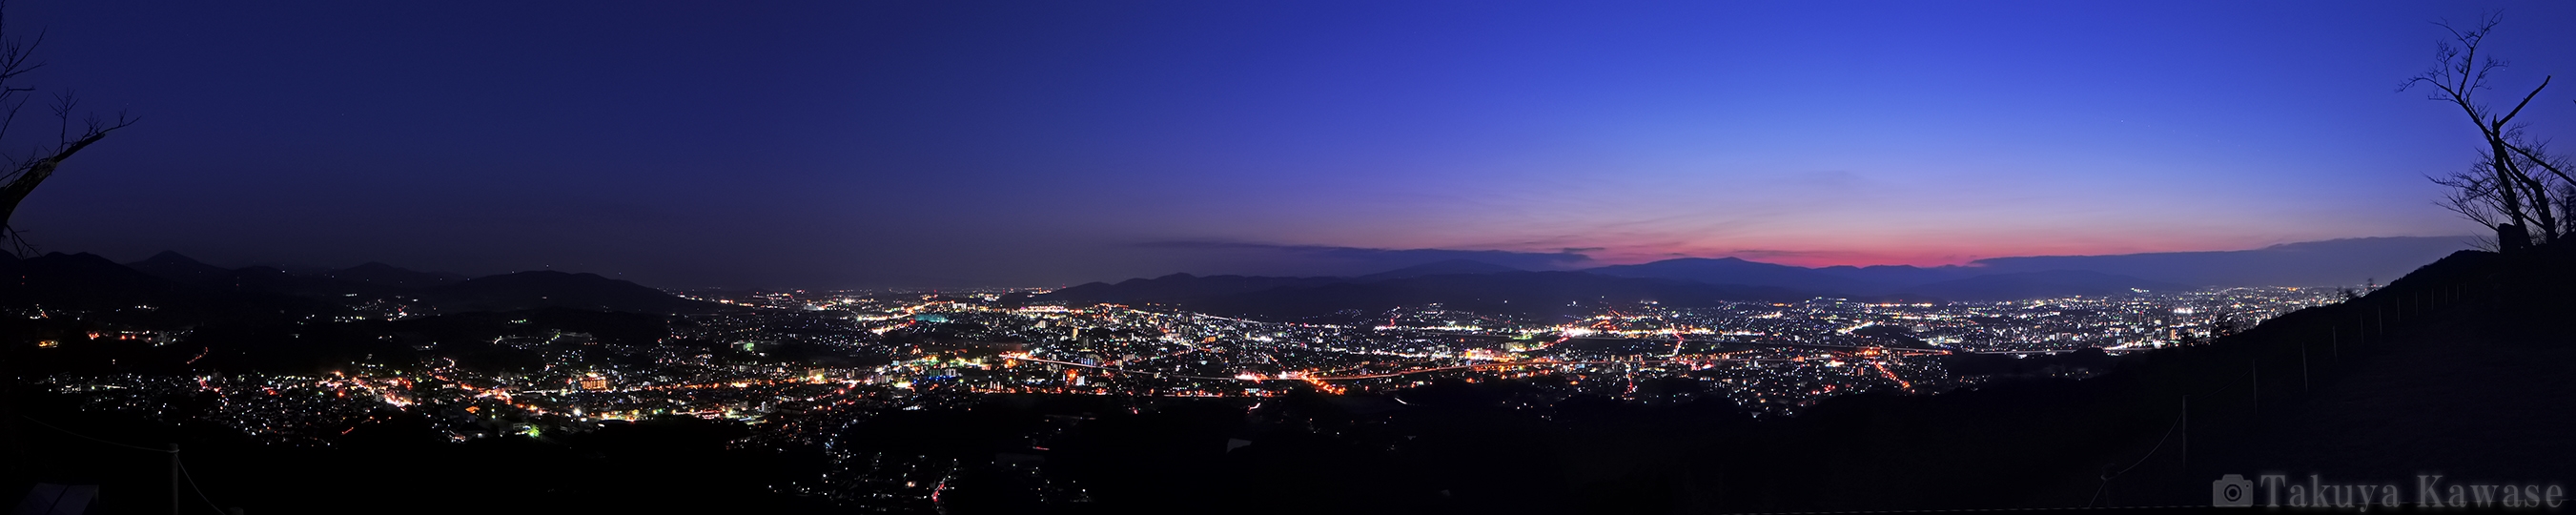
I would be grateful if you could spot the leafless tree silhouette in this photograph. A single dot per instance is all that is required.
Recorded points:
(26, 171)
(2472, 194)
(2516, 187)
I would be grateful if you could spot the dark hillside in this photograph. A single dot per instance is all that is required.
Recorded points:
(116, 293)
(389, 275)
(550, 289)
(1450, 267)
(173, 266)
(2436, 372)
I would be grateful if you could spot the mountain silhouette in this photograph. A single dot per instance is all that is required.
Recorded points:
(1892, 277)
(173, 284)
(85, 281)
(1518, 293)
(552, 289)
(2315, 263)
(88, 282)
(1477, 286)
(1448, 267)
(369, 280)
(1176, 287)
(388, 275)
(1738, 272)
(1521, 293)
(2034, 285)
(170, 265)
(272, 280)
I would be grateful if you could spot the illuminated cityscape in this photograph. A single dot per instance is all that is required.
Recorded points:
(800, 367)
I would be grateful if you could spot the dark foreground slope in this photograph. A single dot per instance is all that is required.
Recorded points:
(2439, 372)
(2469, 381)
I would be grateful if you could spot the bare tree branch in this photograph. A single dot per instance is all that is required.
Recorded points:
(23, 175)
(2526, 101)
(2521, 201)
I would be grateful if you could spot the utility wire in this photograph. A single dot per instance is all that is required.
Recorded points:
(2169, 430)
(183, 466)
(192, 485)
(2142, 460)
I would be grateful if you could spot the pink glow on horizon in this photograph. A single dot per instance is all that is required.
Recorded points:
(1921, 254)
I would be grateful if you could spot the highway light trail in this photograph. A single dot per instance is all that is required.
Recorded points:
(1478, 366)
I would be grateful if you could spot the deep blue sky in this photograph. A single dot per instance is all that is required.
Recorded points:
(955, 143)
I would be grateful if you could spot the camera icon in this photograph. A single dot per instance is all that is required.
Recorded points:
(2232, 491)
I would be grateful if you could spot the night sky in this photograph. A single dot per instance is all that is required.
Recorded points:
(957, 143)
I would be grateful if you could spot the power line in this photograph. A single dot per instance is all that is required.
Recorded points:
(2142, 460)
(173, 451)
(192, 485)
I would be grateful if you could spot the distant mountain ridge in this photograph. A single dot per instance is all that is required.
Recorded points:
(1512, 292)
(379, 273)
(1176, 287)
(551, 289)
(91, 283)
(2033, 285)
(1445, 267)
(1520, 293)
(2313, 263)
(2321, 263)
(1952, 283)
(170, 265)
(170, 278)
(1736, 271)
